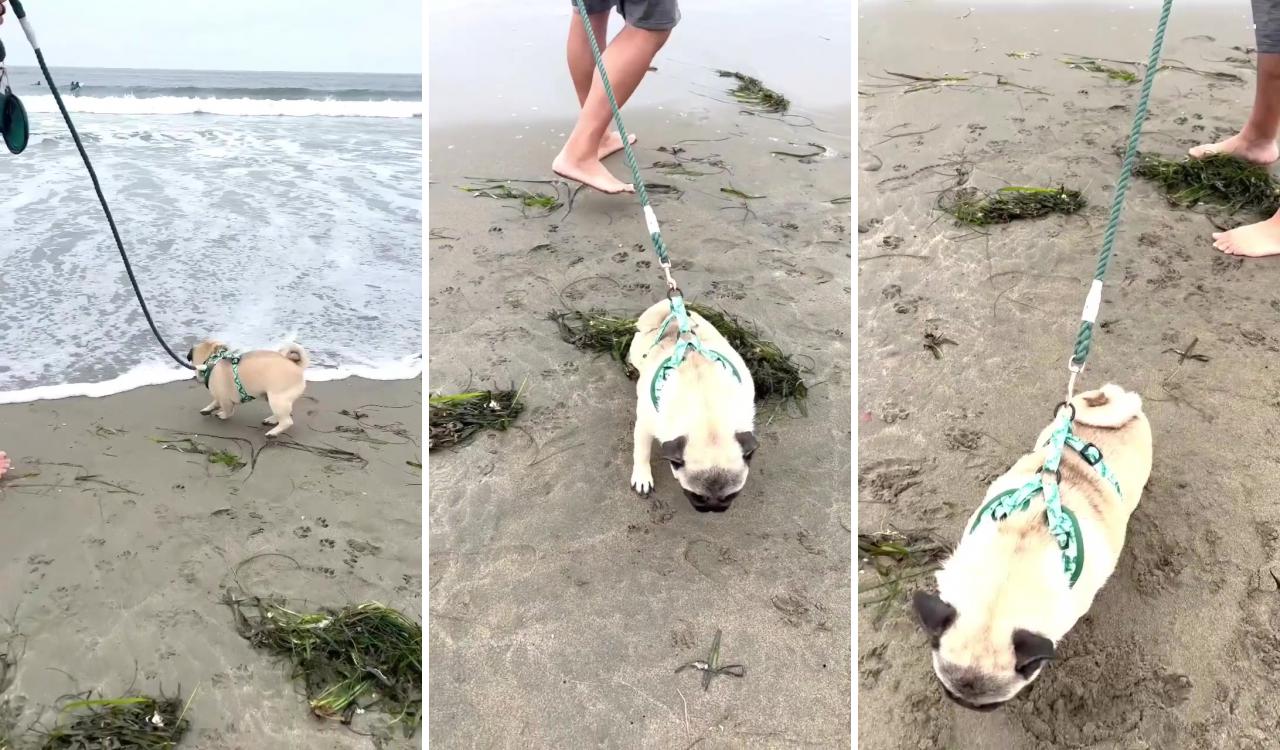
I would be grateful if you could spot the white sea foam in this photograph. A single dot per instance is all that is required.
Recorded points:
(320, 219)
(181, 105)
(155, 374)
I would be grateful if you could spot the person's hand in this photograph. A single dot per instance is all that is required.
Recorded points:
(2, 9)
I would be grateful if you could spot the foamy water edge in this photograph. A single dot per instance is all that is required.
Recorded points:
(146, 375)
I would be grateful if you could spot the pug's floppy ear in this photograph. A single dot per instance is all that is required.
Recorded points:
(935, 615)
(673, 450)
(748, 442)
(1030, 650)
(191, 353)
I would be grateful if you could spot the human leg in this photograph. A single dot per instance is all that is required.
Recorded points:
(1256, 141)
(626, 60)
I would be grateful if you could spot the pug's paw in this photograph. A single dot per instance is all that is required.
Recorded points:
(642, 480)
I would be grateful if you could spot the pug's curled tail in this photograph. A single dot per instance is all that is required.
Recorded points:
(296, 354)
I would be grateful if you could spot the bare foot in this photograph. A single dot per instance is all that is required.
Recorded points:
(1252, 240)
(611, 144)
(4, 463)
(1262, 152)
(590, 173)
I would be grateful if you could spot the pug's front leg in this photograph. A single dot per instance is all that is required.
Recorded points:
(641, 472)
(209, 409)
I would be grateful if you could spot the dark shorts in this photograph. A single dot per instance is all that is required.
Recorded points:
(1266, 20)
(652, 15)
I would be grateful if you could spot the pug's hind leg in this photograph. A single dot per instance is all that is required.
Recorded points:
(641, 472)
(282, 411)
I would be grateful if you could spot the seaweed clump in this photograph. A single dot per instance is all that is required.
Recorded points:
(527, 198)
(1094, 66)
(599, 331)
(350, 660)
(751, 91)
(1219, 179)
(774, 373)
(897, 559)
(456, 418)
(137, 722)
(977, 208)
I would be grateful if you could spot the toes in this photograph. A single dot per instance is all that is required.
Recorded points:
(642, 483)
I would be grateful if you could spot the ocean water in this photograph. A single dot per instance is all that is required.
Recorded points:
(256, 208)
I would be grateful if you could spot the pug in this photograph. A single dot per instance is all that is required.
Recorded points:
(704, 413)
(1004, 597)
(278, 376)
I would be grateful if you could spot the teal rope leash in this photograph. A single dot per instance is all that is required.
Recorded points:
(687, 340)
(1093, 301)
(1062, 523)
(650, 218)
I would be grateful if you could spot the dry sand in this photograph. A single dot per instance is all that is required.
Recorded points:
(561, 603)
(1181, 648)
(114, 551)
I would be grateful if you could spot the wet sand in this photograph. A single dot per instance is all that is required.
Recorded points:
(115, 550)
(1180, 649)
(561, 603)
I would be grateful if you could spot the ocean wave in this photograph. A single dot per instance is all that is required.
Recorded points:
(277, 93)
(244, 107)
(141, 376)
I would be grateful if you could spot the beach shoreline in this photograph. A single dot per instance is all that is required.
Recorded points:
(145, 376)
(302, 191)
(124, 518)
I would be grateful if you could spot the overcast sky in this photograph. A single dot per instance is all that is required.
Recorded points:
(360, 36)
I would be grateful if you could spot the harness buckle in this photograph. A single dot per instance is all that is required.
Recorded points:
(1091, 454)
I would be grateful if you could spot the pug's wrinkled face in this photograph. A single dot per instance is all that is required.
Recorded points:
(711, 471)
(980, 668)
(201, 352)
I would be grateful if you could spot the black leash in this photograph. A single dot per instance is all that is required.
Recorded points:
(97, 188)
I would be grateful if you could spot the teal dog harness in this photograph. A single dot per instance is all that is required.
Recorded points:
(686, 341)
(1063, 524)
(234, 361)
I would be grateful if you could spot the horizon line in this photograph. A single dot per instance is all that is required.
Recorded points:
(36, 66)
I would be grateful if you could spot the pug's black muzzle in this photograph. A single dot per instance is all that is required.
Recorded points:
(986, 706)
(972, 706)
(709, 505)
